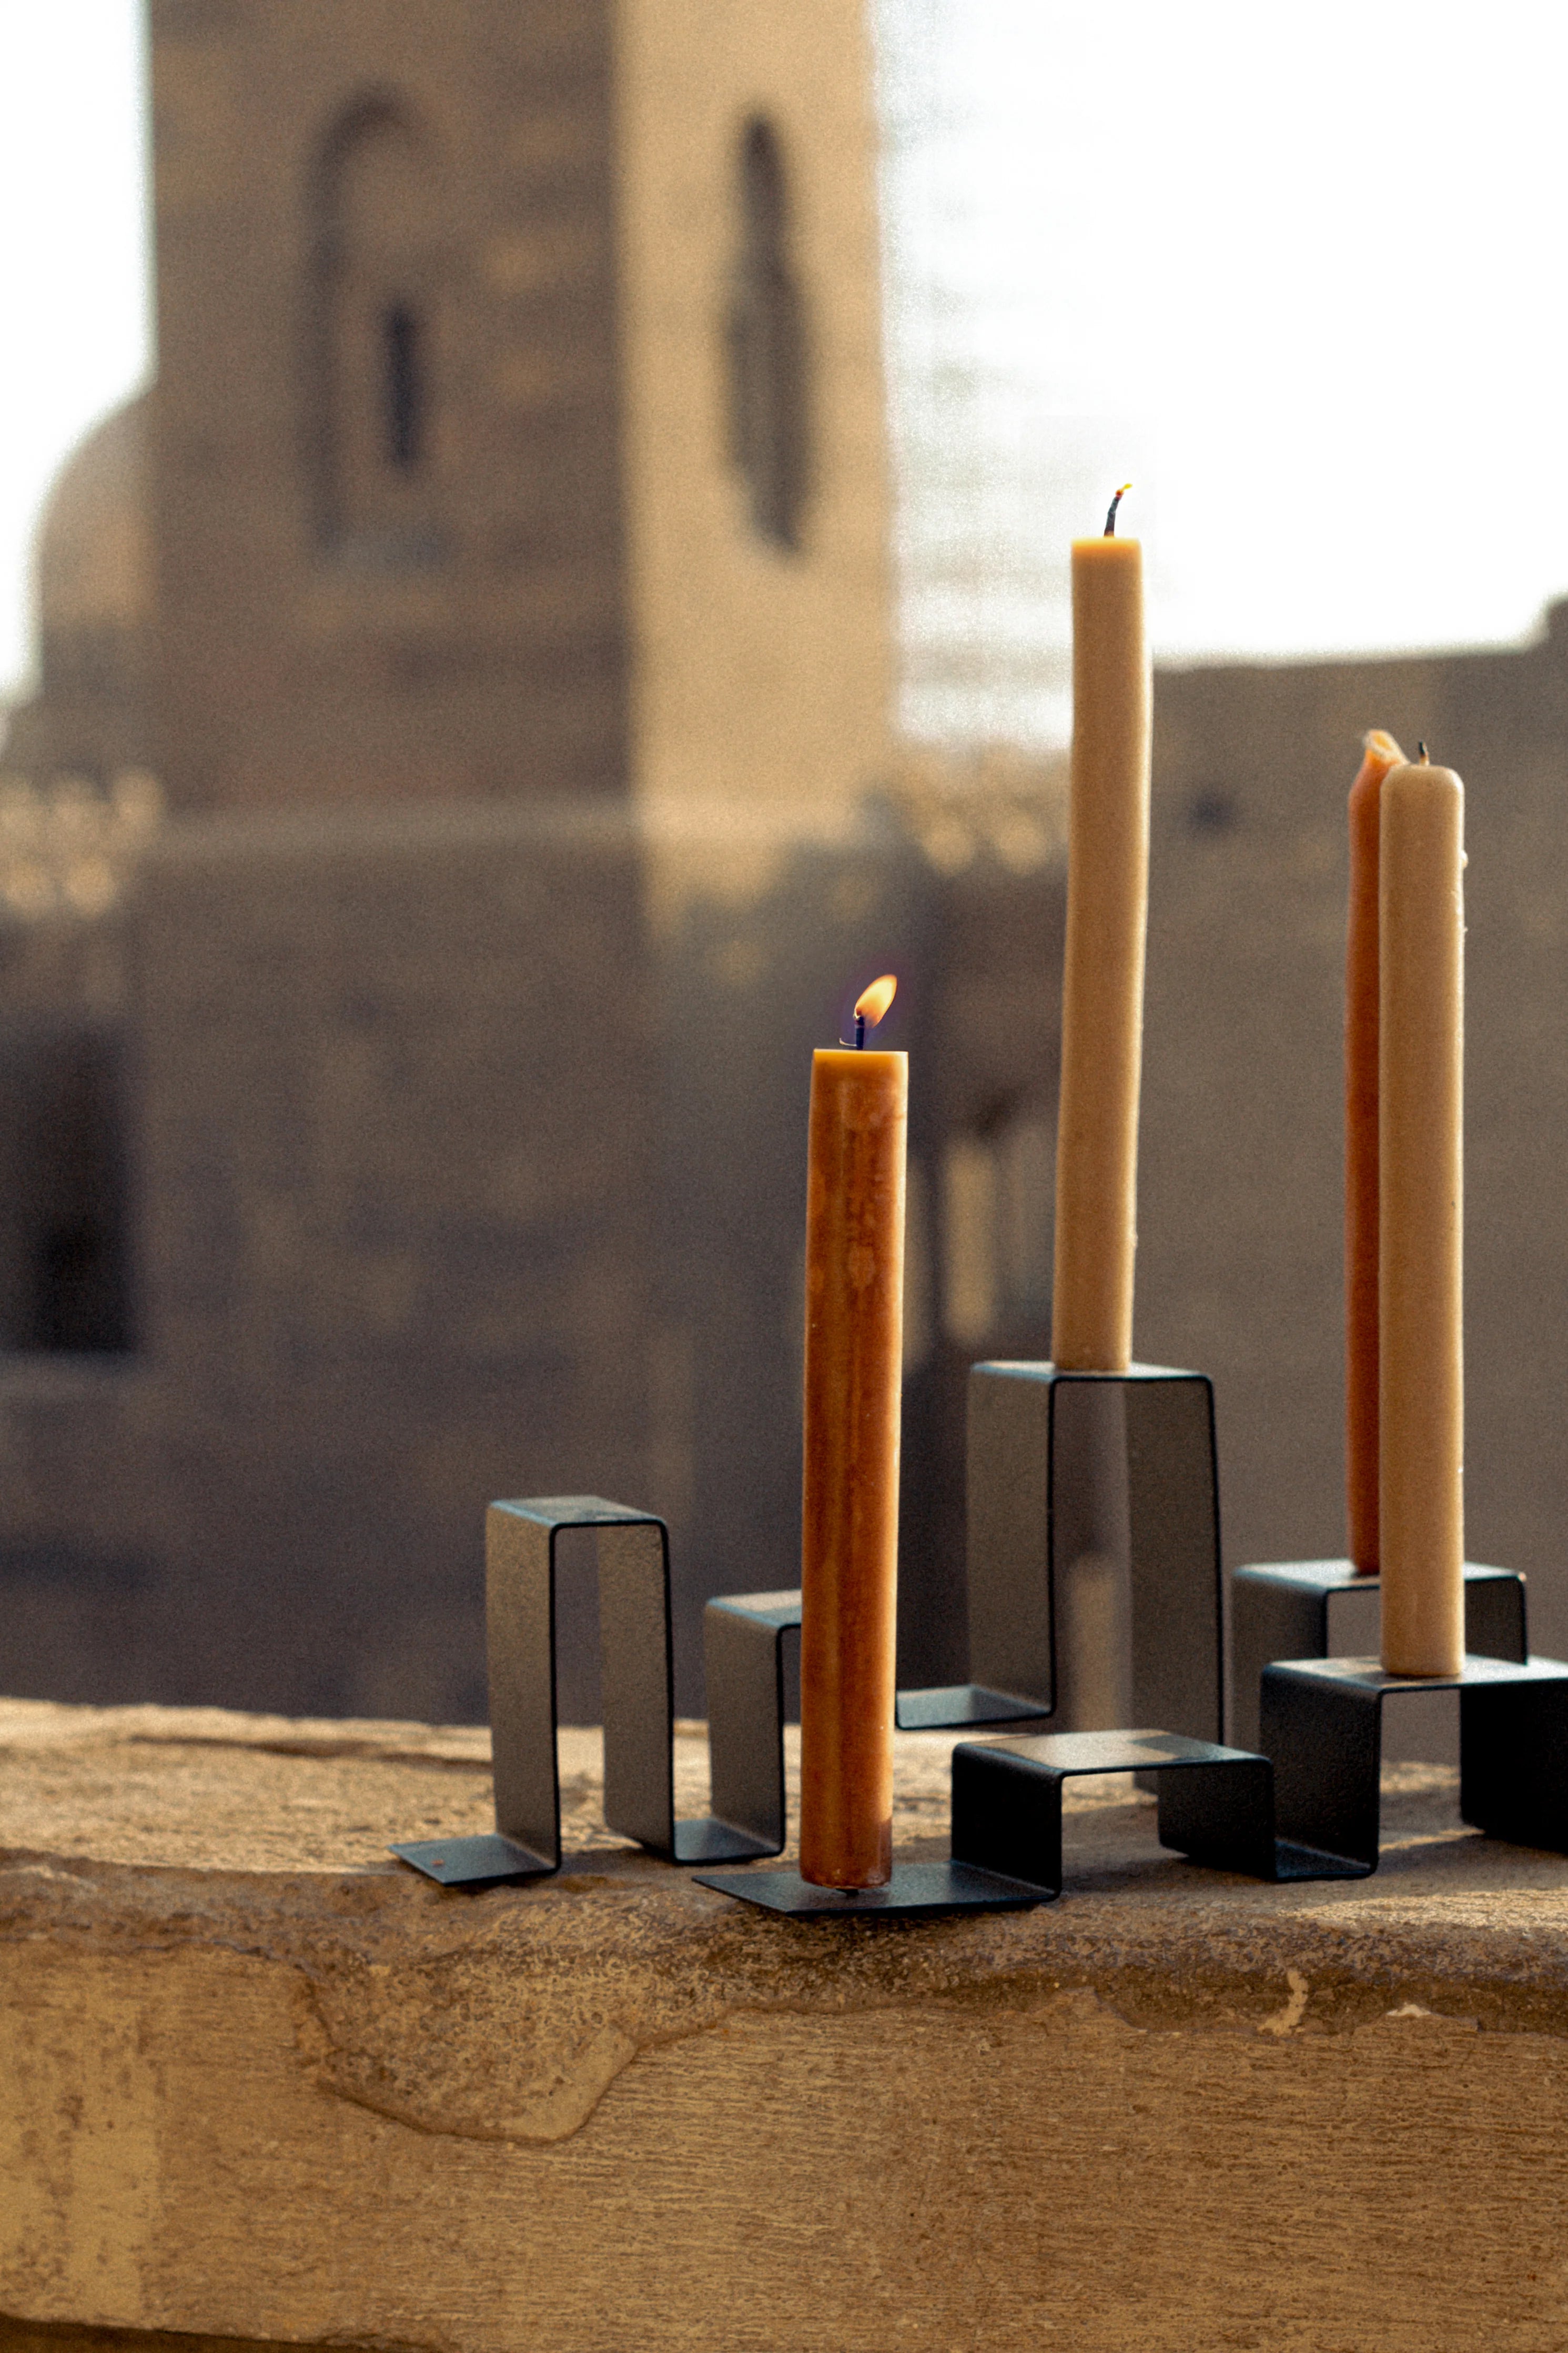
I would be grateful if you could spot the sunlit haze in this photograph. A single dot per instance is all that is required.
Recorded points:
(1295, 273)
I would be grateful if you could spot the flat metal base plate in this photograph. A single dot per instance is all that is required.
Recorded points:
(1292, 1863)
(707, 1840)
(473, 1861)
(915, 1887)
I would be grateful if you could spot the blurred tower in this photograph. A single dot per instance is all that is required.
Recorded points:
(518, 420)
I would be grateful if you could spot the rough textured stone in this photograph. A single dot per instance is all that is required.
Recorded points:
(265, 2084)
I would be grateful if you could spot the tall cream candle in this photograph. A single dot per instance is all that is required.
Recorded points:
(1420, 1196)
(1102, 986)
(1361, 1279)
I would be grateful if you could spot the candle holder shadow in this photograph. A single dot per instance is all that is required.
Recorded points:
(1312, 1609)
(1321, 1723)
(637, 1656)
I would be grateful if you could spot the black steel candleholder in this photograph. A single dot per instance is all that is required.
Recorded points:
(914, 1888)
(1007, 1824)
(1215, 1805)
(1321, 1723)
(1014, 1512)
(1303, 1609)
(1014, 1509)
(1014, 1492)
(637, 1653)
(743, 1640)
(1015, 1503)
(742, 1649)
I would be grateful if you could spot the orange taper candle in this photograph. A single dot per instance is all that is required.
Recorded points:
(1421, 1037)
(1381, 754)
(854, 1365)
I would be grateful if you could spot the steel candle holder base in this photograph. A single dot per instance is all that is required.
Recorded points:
(1297, 1610)
(742, 1650)
(915, 1888)
(1011, 1575)
(1014, 1514)
(1321, 1723)
(1215, 1805)
(474, 1863)
(638, 1658)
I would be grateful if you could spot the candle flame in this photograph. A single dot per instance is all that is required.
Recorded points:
(873, 1002)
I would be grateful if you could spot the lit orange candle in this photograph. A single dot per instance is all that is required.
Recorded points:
(1102, 981)
(1381, 754)
(854, 1364)
(1421, 957)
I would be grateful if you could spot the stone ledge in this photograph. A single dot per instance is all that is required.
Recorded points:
(268, 2084)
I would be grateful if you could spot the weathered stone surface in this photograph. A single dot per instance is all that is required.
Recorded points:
(264, 2083)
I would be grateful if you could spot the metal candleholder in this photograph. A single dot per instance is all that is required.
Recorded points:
(1174, 1630)
(1215, 1805)
(1014, 1513)
(1322, 1726)
(1007, 1824)
(1175, 1666)
(637, 1657)
(915, 1887)
(742, 1643)
(1293, 1609)
(1013, 1506)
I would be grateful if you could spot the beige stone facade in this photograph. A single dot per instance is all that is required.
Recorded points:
(445, 498)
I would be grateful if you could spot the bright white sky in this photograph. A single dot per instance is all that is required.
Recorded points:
(74, 327)
(1298, 272)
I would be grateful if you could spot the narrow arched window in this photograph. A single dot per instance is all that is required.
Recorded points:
(403, 390)
(65, 1266)
(374, 341)
(769, 423)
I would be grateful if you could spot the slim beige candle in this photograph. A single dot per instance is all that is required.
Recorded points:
(1363, 1290)
(1102, 986)
(1420, 1197)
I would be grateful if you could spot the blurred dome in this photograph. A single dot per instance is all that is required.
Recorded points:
(94, 550)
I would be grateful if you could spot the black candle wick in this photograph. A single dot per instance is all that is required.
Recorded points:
(870, 1006)
(1116, 501)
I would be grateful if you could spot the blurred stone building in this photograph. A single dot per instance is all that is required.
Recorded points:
(495, 582)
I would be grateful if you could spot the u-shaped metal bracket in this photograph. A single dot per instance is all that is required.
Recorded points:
(638, 1672)
(1175, 1645)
